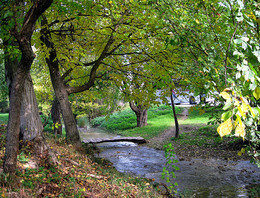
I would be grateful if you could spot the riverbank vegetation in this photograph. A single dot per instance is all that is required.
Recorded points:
(160, 118)
(197, 138)
(78, 174)
(124, 122)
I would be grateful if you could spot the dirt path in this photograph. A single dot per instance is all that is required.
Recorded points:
(165, 137)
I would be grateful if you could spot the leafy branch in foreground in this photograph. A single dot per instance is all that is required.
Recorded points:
(168, 172)
(242, 109)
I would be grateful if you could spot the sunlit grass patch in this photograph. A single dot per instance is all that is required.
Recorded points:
(156, 125)
(3, 118)
(124, 122)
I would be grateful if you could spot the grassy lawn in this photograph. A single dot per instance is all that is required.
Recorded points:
(196, 117)
(159, 119)
(3, 118)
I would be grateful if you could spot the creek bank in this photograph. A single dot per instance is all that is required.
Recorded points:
(202, 177)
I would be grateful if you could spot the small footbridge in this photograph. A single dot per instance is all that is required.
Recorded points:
(138, 140)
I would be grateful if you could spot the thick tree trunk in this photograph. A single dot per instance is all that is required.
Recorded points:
(72, 133)
(141, 114)
(31, 125)
(23, 69)
(13, 128)
(141, 118)
(177, 130)
(55, 116)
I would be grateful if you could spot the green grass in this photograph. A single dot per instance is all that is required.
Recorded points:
(159, 119)
(196, 117)
(3, 118)
(124, 122)
(203, 137)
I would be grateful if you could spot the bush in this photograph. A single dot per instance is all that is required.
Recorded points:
(97, 121)
(4, 108)
(47, 121)
(82, 121)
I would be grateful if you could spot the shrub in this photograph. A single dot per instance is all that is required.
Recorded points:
(97, 121)
(82, 121)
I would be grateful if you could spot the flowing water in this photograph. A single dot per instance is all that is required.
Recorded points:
(197, 177)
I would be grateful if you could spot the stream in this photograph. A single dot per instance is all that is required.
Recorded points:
(197, 177)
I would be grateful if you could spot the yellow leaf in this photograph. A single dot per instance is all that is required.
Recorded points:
(238, 120)
(250, 109)
(225, 128)
(225, 95)
(243, 109)
(240, 131)
(197, 21)
(236, 102)
(256, 93)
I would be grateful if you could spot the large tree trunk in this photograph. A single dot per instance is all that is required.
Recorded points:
(31, 125)
(141, 114)
(72, 133)
(55, 116)
(13, 128)
(17, 88)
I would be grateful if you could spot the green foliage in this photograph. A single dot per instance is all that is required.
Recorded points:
(118, 121)
(97, 121)
(168, 174)
(124, 122)
(47, 121)
(22, 158)
(254, 190)
(126, 119)
(3, 88)
(242, 110)
(82, 121)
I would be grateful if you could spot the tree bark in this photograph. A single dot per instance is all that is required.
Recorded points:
(55, 116)
(72, 133)
(13, 127)
(31, 125)
(177, 130)
(17, 87)
(141, 114)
